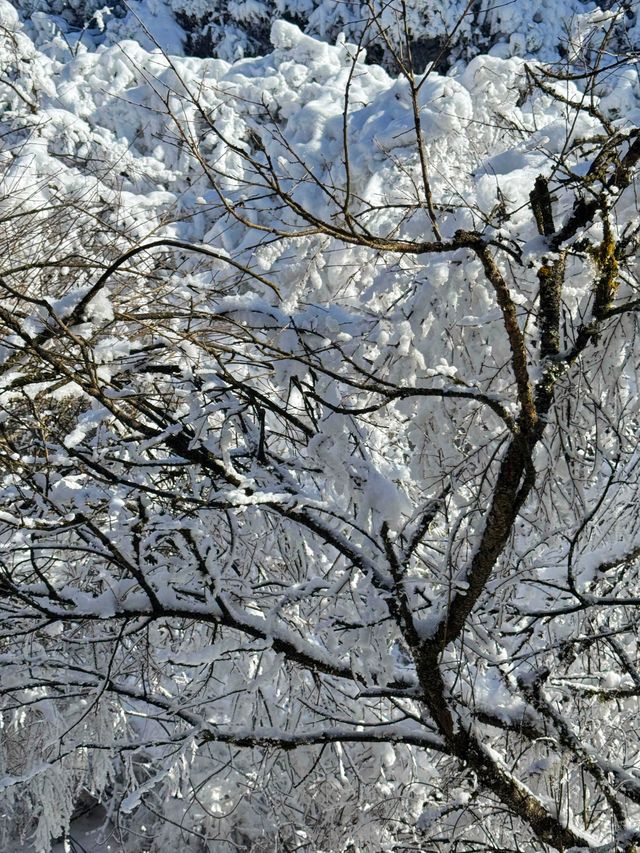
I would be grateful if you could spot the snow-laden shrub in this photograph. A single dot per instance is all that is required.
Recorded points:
(318, 430)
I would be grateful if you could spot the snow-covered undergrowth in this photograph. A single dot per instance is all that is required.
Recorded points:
(213, 449)
(442, 32)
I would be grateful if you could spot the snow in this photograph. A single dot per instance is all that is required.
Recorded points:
(220, 456)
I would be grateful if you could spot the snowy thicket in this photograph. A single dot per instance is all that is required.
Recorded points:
(443, 32)
(318, 427)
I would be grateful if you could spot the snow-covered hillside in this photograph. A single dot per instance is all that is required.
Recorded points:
(442, 32)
